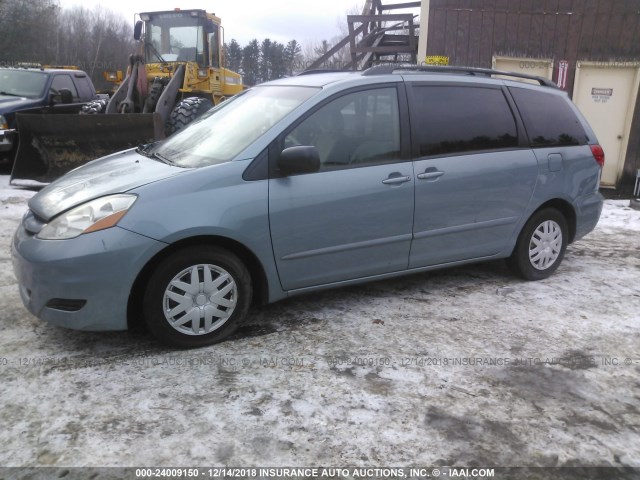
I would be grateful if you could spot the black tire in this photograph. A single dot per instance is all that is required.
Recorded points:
(186, 112)
(94, 107)
(188, 308)
(531, 265)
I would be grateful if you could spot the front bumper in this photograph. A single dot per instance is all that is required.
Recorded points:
(83, 283)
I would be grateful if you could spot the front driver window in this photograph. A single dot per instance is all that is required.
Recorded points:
(64, 81)
(353, 130)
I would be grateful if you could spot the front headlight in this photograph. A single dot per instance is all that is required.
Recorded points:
(92, 216)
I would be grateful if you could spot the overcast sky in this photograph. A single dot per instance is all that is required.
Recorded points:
(281, 20)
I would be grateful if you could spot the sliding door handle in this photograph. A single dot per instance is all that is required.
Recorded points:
(430, 175)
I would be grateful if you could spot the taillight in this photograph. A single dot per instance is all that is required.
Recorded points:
(598, 154)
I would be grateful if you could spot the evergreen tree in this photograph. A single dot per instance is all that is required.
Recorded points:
(251, 63)
(265, 60)
(233, 55)
(292, 57)
(277, 61)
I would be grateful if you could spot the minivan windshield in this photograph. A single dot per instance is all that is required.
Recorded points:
(223, 132)
(22, 83)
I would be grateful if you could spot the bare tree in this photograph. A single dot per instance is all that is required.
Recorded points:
(27, 27)
(313, 50)
(95, 40)
(39, 31)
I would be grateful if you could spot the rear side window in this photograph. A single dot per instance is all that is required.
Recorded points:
(548, 119)
(459, 119)
(84, 88)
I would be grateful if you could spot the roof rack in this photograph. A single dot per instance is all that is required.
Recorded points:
(486, 72)
(321, 70)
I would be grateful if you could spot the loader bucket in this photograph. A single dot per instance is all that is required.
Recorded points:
(53, 144)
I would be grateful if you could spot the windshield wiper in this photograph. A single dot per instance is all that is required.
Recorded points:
(162, 158)
(143, 149)
(10, 94)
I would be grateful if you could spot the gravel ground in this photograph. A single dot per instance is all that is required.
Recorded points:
(468, 366)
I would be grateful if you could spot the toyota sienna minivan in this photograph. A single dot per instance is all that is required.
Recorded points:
(311, 182)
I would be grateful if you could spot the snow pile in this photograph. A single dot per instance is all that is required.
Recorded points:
(468, 366)
(13, 200)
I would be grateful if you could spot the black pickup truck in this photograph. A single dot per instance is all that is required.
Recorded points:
(39, 90)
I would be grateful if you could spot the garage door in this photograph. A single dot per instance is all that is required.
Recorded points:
(606, 95)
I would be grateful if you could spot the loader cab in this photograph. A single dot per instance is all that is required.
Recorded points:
(181, 36)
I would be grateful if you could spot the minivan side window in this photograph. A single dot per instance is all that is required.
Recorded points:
(357, 129)
(548, 120)
(459, 119)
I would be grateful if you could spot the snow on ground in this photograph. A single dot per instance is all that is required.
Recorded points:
(467, 366)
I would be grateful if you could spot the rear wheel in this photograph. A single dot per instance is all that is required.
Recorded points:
(186, 111)
(541, 245)
(197, 297)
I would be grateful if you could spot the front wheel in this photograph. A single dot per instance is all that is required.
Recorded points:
(197, 296)
(186, 112)
(541, 245)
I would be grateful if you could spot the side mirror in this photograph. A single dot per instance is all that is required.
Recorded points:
(66, 96)
(63, 95)
(300, 159)
(137, 30)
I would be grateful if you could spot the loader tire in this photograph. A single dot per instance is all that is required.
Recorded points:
(186, 111)
(94, 107)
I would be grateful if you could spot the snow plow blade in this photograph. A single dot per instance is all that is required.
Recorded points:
(52, 145)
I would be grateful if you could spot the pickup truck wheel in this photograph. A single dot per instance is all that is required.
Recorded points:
(94, 107)
(186, 112)
(197, 297)
(541, 245)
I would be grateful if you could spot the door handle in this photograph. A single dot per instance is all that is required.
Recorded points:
(396, 180)
(430, 175)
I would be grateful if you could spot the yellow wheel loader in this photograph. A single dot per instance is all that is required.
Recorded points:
(176, 75)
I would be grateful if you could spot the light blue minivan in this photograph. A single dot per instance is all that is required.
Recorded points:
(311, 182)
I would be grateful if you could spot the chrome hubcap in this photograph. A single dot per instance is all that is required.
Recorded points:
(545, 245)
(200, 299)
